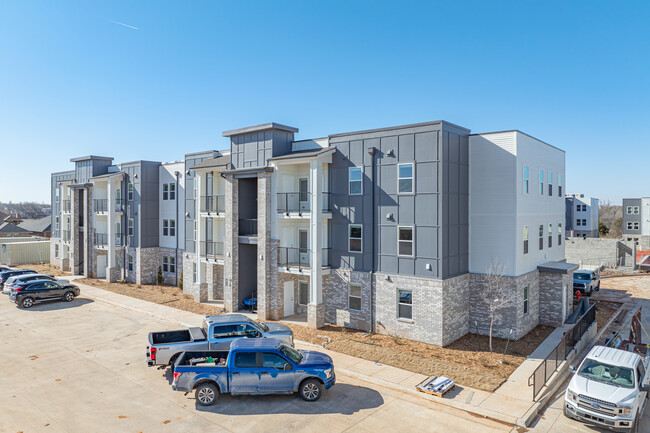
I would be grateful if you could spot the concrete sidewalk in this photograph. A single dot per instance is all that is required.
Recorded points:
(508, 404)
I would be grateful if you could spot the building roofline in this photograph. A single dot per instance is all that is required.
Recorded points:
(139, 161)
(202, 152)
(88, 157)
(256, 128)
(522, 133)
(390, 128)
(63, 172)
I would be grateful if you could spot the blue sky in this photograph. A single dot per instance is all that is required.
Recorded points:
(74, 82)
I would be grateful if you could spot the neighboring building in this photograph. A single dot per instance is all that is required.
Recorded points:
(582, 216)
(38, 227)
(636, 219)
(389, 230)
(11, 229)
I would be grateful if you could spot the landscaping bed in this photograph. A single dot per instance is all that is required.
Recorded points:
(45, 269)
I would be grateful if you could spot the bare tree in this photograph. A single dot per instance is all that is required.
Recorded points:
(611, 216)
(495, 296)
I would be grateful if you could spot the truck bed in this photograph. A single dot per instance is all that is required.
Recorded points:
(178, 336)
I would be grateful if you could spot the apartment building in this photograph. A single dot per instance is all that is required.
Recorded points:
(389, 230)
(636, 220)
(118, 222)
(582, 216)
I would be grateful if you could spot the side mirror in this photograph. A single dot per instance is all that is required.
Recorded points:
(287, 367)
(572, 369)
(644, 388)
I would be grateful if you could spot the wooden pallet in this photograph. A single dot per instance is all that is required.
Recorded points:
(421, 387)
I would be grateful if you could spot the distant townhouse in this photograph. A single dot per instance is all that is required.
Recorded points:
(636, 220)
(582, 216)
(390, 230)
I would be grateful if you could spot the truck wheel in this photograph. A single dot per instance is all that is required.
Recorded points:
(311, 390)
(172, 362)
(68, 297)
(635, 425)
(27, 302)
(206, 394)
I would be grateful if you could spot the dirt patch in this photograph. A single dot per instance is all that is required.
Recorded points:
(45, 269)
(170, 296)
(468, 360)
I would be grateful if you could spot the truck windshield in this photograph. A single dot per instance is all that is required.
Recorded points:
(611, 374)
(581, 276)
(262, 326)
(292, 354)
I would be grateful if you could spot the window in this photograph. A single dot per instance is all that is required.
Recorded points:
(172, 265)
(525, 239)
(172, 227)
(584, 223)
(196, 186)
(130, 226)
(636, 210)
(636, 225)
(541, 236)
(225, 331)
(525, 179)
(165, 227)
(354, 296)
(356, 181)
(550, 184)
(195, 230)
(165, 194)
(541, 182)
(172, 191)
(56, 194)
(130, 192)
(303, 292)
(405, 241)
(56, 223)
(245, 359)
(271, 360)
(355, 238)
(165, 264)
(56, 251)
(550, 235)
(559, 185)
(405, 178)
(525, 300)
(130, 263)
(405, 304)
(578, 222)
(559, 233)
(629, 210)
(194, 272)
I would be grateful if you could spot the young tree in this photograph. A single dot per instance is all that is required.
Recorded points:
(159, 278)
(495, 296)
(603, 229)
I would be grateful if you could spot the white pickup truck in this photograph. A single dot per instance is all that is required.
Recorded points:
(609, 389)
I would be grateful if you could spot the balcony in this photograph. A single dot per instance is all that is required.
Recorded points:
(211, 250)
(119, 205)
(292, 202)
(289, 257)
(65, 206)
(118, 239)
(65, 235)
(247, 227)
(101, 239)
(213, 203)
(101, 205)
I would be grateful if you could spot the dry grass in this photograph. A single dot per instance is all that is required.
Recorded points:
(45, 269)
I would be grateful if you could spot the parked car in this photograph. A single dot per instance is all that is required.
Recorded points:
(17, 279)
(217, 333)
(253, 367)
(27, 294)
(4, 269)
(587, 282)
(6, 274)
(609, 389)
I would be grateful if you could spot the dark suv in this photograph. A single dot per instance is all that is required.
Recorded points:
(27, 294)
(12, 273)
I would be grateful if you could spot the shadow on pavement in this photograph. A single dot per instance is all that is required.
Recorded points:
(342, 398)
(57, 305)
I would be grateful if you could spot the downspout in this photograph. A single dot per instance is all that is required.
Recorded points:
(176, 195)
(372, 151)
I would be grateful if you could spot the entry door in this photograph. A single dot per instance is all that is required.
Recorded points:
(303, 196)
(288, 298)
(303, 246)
(101, 266)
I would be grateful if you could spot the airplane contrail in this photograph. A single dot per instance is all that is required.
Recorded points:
(122, 24)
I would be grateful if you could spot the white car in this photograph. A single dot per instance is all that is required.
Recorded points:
(609, 389)
(29, 277)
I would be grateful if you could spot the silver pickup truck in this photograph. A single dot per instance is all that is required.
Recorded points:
(216, 333)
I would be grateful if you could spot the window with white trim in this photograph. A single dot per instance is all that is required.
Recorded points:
(525, 239)
(550, 184)
(130, 263)
(195, 230)
(541, 182)
(355, 238)
(56, 223)
(172, 264)
(356, 181)
(629, 210)
(404, 304)
(56, 251)
(354, 296)
(584, 222)
(165, 264)
(525, 179)
(165, 228)
(303, 292)
(550, 235)
(172, 191)
(405, 241)
(56, 194)
(165, 191)
(196, 186)
(130, 226)
(541, 237)
(194, 272)
(636, 210)
(172, 227)
(559, 233)
(130, 192)
(405, 177)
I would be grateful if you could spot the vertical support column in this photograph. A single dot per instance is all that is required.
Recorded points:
(231, 246)
(201, 294)
(74, 232)
(268, 298)
(111, 271)
(88, 244)
(315, 308)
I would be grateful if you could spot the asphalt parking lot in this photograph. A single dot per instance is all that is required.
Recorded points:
(80, 367)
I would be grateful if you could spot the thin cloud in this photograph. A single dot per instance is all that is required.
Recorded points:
(122, 24)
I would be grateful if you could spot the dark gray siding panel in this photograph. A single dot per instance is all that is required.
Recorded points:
(149, 204)
(254, 149)
(632, 218)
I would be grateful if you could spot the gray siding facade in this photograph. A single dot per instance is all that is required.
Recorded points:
(632, 218)
(56, 205)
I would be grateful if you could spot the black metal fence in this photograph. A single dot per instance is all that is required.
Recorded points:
(550, 364)
(101, 205)
(300, 202)
(247, 227)
(213, 203)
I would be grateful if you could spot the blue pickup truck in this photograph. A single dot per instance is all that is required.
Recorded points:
(253, 366)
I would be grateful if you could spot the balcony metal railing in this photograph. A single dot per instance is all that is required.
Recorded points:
(211, 249)
(119, 203)
(66, 235)
(300, 202)
(289, 257)
(101, 204)
(247, 227)
(213, 203)
(65, 206)
(101, 239)
(118, 239)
